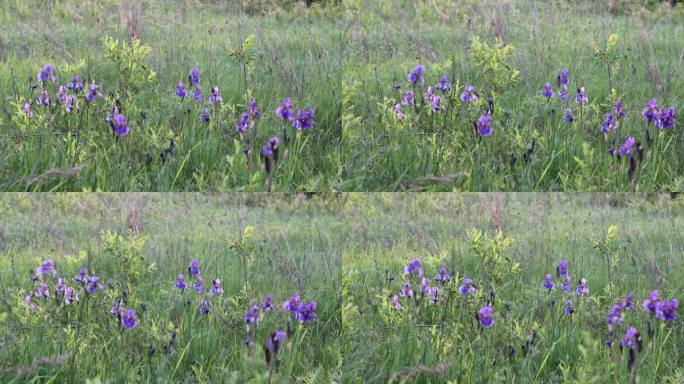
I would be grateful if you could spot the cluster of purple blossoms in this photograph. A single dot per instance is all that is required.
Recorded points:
(566, 283)
(270, 152)
(548, 282)
(126, 316)
(444, 85)
(581, 97)
(247, 119)
(302, 120)
(204, 116)
(547, 92)
(303, 312)
(434, 100)
(484, 125)
(198, 286)
(181, 91)
(93, 93)
(660, 117)
(215, 97)
(413, 268)
(611, 123)
(443, 276)
(272, 347)
(666, 310)
(626, 149)
(417, 75)
(69, 101)
(467, 287)
(252, 317)
(398, 113)
(486, 316)
(90, 284)
(27, 110)
(119, 124)
(569, 308)
(468, 94)
(46, 74)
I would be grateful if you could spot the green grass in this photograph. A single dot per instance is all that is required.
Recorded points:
(391, 37)
(343, 60)
(294, 247)
(443, 342)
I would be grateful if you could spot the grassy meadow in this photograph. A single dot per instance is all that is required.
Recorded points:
(506, 244)
(138, 245)
(347, 63)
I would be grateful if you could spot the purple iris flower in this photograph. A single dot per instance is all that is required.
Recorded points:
(267, 304)
(568, 117)
(70, 295)
(47, 268)
(42, 291)
(306, 312)
(618, 110)
(563, 93)
(216, 288)
(413, 267)
(215, 96)
(667, 310)
(615, 315)
(582, 288)
(254, 110)
(93, 285)
(407, 290)
(397, 112)
(650, 112)
(180, 282)
(408, 99)
(60, 287)
(205, 116)
(468, 94)
(442, 276)
(117, 309)
(435, 102)
(569, 308)
(44, 99)
(70, 103)
(181, 91)
(244, 123)
(205, 308)
(666, 118)
(434, 294)
(46, 74)
(566, 285)
(562, 268)
(424, 286)
(292, 304)
(395, 303)
(581, 97)
(119, 125)
(304, 120)
(75, 85)
(417, 75)
(272, 344)
(199, 285)
(252, 316)
(27, 110)
(444, 84)
(93, 93)
(629, 340)
(547, 91)
(197, 94)
(194, 76)
(81, 278)
(609, 124)
(270, 149)
(626, 148)
(129, 319)
(486, 315)
(284, 110)
(484, 125)
(628, 302)
(563, 77)
(467, 287)
(193, 268)
(651, 303)
(548, 282)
